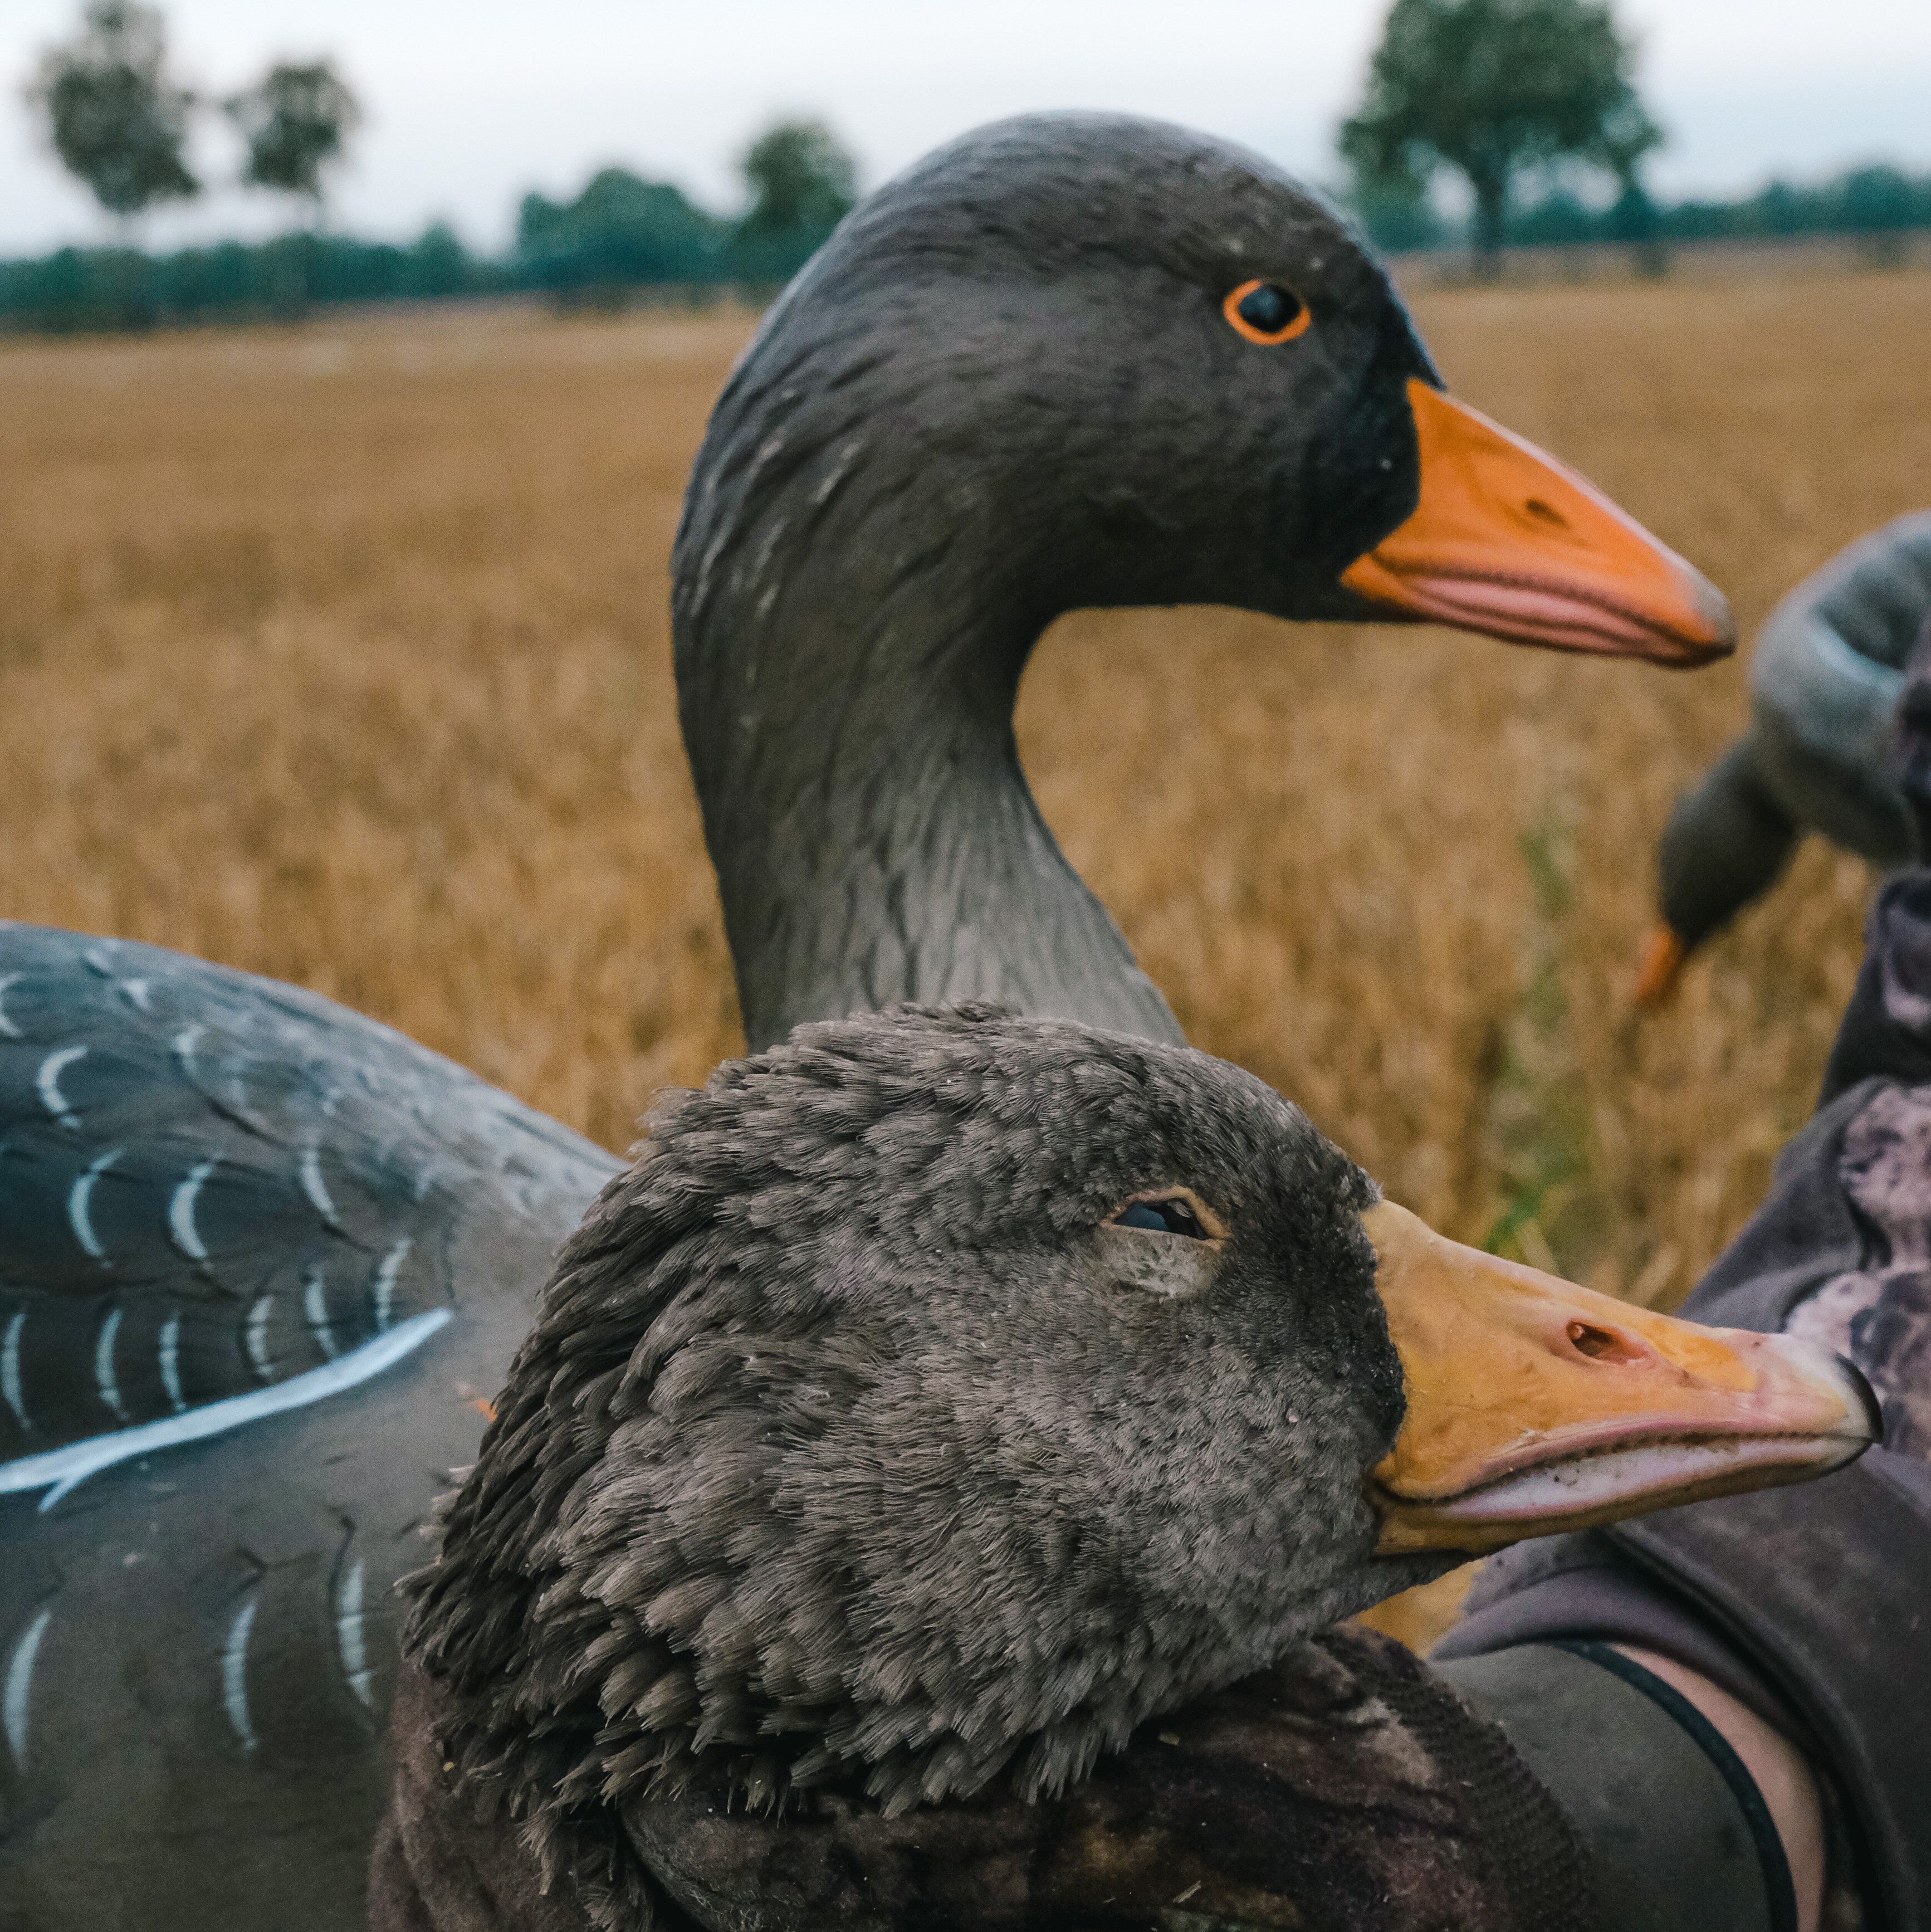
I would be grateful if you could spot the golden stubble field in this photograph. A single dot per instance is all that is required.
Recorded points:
(340, 653)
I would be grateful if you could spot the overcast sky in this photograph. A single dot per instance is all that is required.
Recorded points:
(471, 102)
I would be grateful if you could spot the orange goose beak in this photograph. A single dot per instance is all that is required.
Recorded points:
(1534, 1405)
(1507, 541)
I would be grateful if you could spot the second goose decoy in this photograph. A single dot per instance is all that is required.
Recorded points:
(1068, 360)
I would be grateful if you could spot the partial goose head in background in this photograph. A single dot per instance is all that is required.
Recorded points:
(944, 1394)
(1067, 360)
(1828, 748)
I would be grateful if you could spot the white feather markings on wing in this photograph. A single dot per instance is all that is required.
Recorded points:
(183, 1045)
(48, 1080)
(314, 1305)
(349, 1637)
(170, 1361)
(79, 1199)
(258, 1338)
(19, 1681)
(63, 1469)
(384, 1284)
(313, 1185)
(7, 1026)
(181, 1211)
(9, 1368)
(104, 1377)
(234, 1672)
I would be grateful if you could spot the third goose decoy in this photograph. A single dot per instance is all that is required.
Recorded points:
(1068, 360)
(1826, 678)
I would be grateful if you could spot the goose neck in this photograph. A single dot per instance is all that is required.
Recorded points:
(848, 711)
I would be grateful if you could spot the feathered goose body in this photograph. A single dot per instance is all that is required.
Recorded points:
(942, 1396)
(857, 1443)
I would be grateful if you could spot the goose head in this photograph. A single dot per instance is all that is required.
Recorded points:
(1067, 361)
(943, 1393)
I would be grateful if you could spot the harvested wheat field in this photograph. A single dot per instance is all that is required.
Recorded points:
(340, 653)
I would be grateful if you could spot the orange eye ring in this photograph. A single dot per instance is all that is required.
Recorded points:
(1297, 324)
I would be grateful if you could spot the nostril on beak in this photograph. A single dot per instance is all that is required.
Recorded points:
(1546, 513)
(1602, 1344)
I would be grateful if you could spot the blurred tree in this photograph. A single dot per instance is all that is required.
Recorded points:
(1878, 202)
(1635, 219)
(802, 179)
(1781, 208)
(1492, 87)
(296, 120)
(115, 120)
(1871, 198)
(438, 263)
(1397, 213)
(620, 231)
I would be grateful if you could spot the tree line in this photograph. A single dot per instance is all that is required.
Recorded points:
(1532, 104)
(620, 233)
(1877, 204)
(119, 121)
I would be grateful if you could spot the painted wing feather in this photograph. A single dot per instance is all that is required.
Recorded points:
(211, 1183)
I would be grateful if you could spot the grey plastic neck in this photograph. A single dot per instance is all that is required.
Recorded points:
(847, 665)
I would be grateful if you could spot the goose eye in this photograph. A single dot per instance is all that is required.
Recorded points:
(1266, 312)
(1162, 1217)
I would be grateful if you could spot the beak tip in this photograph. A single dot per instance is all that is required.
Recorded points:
(1712, 631)
(1867, 1396)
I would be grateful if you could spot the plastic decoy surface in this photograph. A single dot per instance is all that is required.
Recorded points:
(266, 1263)
(223, 1193)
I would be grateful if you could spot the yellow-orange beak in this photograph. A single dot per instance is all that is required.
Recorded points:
(1507, 541)
(1664, 953)
(1536, 1406)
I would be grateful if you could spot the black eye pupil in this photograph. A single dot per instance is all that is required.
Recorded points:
(1268, 308)
(1167, 1217)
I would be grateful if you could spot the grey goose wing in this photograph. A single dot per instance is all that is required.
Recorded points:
(221, 1195)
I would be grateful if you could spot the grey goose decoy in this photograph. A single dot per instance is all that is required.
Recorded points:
(1067, 360)
(1827, 676)
(943, 1400)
